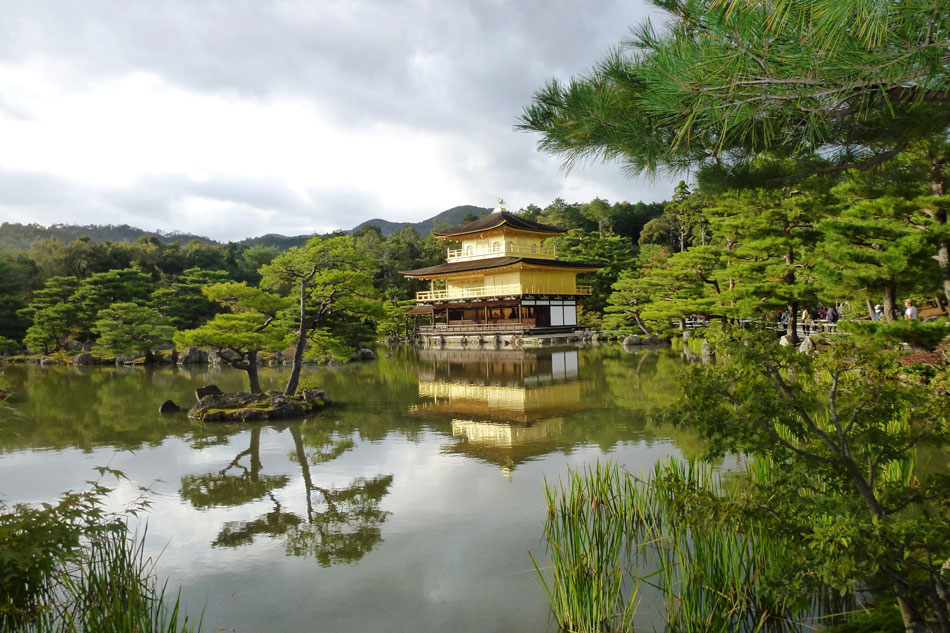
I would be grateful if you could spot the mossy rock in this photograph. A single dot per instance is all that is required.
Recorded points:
(247, 407)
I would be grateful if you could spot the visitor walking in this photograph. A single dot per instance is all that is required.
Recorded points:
(911, 311)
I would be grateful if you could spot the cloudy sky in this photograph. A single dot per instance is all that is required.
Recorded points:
(238, 118)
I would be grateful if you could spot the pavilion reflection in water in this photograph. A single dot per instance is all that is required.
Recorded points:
(507, 406)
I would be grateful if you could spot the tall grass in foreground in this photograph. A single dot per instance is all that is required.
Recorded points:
(111, 587)
(588, 587)
(608, 534)
(70, 567)
(115, 588)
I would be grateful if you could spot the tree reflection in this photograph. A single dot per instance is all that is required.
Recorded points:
(234, 484)
(339, 524)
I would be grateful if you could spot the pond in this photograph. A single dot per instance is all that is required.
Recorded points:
(410, 505)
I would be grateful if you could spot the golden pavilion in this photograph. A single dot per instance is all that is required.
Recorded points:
(501, 278)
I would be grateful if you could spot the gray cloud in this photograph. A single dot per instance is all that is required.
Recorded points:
(461, 69)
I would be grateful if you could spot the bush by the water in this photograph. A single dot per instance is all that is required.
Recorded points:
(70, 567)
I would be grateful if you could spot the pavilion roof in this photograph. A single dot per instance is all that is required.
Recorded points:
(496, 220)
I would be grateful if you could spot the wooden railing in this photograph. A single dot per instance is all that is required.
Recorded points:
(442, 328)
(498, 291)
(459, 255)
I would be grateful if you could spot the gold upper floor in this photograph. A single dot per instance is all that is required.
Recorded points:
(501, 244)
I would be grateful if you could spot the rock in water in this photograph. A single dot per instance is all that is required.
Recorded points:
(633, 339)
(367, 354)
(85, 358)
(192, 356)
(707, 356)
(315, 395)
(207, 390)
(652, 340)
(168, 407)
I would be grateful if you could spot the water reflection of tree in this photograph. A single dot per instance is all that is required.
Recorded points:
(235, 484)
(340, 525)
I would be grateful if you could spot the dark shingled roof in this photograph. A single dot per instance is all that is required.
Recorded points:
(495, 220)
(493, 262)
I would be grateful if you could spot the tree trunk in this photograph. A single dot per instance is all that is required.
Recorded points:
(789, 279)
(943, 260)
(890, 302)
(636, 317)
(254, 383)
(940, 215)
(791, 323)
(294, 379)
(870, 308)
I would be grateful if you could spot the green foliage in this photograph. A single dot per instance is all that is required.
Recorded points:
(70, 567)
(127, 328)
(835, 435)
(100, 290)
(773, 233)
(53, 315)
(252, 325)
(329, 282)
(183, 303)
(240, 331)
(847, 80)
(395, 322)
(612, 253)
(8, 345)
(634, 291)
(911, 331)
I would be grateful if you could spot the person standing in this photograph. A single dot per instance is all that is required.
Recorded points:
(910, 311)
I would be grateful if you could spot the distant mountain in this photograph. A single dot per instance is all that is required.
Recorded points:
(450, 217)
(20, 236)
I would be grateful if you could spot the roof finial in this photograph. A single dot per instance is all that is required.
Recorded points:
(501, 206)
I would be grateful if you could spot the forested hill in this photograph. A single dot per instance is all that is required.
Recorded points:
(20, 236)
(450, 217)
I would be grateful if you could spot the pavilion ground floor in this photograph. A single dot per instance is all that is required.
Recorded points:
(527, 314)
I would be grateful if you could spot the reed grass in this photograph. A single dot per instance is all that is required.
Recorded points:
(110, 587)
(607, 533)
(586, 582)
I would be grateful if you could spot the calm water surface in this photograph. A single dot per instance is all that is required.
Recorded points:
(411, 505)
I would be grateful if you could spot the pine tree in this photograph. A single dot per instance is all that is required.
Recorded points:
(128, 328)
(53, 314)
(871, 250)
(332, 293)
(770, 236)
(251, 326)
